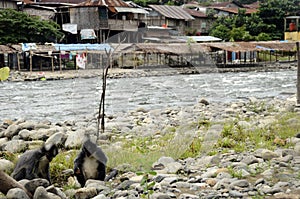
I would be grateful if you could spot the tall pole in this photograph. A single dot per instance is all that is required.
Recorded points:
(298, 73)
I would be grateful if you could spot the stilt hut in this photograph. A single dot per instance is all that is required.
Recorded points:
(9, 57)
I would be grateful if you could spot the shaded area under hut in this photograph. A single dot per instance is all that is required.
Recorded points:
(58, 57)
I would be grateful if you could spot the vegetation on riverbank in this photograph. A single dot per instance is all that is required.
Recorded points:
(239, 134)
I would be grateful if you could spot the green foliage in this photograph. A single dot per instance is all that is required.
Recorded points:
(234, 173)
(148, 186)
(275, 134)
(61, 162)
(18, 27)
(265, 25)
(194, 148)
(146, 2)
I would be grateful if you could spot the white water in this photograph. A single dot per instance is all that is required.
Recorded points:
(75, 98)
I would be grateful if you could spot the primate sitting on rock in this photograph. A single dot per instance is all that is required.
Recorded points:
(90, 163)
(35, 163)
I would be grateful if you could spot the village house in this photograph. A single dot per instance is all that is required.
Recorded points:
(232, 8)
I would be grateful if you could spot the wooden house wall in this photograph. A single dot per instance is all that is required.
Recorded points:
(88, 18)
(8, 4)
(202, 25)
(44, 14)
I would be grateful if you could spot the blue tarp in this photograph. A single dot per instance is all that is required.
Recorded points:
(78, 47)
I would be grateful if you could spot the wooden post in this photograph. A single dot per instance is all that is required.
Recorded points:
(52, 63)
(298, 74)
(60, 66)
(18, 60)
(30, 61)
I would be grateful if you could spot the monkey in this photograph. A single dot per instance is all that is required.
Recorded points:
(90, 163)
(35, 163)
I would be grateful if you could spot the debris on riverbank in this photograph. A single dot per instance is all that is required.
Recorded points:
(245, 149)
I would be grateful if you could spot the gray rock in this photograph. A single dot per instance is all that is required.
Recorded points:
(12, 130)
(188, 196)
(159, 196)
(100, 196)
(15, 146)
(209, 160)
(6, 165)
(235, 194)
(297, 148)
(240, 183)
(32, 185)
(99, 185)
(75, 139)
(251, 159)
(26, 134)
(57, 139)
(41, 192)
(3, 141)
(17, 193)
(124, 185)
(266, 154)
(28, 125)
(223, 175)
(85, 193)
(43, 134)
(56, 191)
(204, 101)
(173, 167)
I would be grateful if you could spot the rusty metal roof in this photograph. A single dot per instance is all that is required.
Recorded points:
(7, 49)
(109, 3)
(236, 10)
(284, 46)
(162, 48)
(173, 12)
(195, 13)
(252, 46)
(233, 46)
(61, 1)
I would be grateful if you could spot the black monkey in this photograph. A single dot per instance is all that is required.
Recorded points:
(35, 163)
(90, 163)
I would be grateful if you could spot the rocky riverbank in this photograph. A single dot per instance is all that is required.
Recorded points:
(245, 149)
(140, 72)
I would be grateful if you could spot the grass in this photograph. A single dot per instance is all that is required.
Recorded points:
(142, 152)
(138, 153)
(63, 161)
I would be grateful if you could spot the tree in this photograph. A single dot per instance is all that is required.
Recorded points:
(19, 27)
(274, 11)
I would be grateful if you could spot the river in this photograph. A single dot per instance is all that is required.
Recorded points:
(77, 98)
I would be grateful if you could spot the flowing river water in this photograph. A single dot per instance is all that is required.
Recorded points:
(77, 98)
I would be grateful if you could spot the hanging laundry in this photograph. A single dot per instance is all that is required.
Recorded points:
(81, 60)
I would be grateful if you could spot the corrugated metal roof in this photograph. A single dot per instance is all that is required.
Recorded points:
(173, 12)
(199, 38)
(109, 3)
(131, 10)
